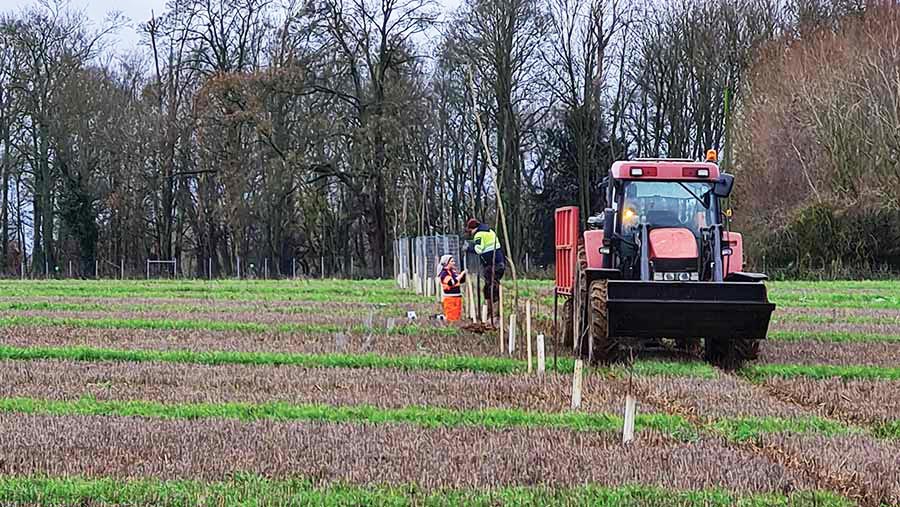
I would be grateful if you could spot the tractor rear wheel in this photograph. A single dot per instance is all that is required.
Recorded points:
(730, 354)
(747, 349)
(603, 347)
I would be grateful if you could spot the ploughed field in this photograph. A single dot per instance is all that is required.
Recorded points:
(323, 393)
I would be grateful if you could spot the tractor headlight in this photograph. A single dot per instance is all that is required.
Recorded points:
(629, 217)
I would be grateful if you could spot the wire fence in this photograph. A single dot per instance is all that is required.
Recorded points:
(256, 268)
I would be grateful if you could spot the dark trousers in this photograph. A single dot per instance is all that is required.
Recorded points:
(492, 274)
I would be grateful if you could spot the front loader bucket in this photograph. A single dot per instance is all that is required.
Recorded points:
(688, 309)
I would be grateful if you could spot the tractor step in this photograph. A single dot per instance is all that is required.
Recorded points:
(720, 310)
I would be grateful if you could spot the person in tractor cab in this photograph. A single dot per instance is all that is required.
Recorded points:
(486, 245)
(451, 280)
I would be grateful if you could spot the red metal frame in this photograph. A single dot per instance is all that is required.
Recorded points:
(567, 229)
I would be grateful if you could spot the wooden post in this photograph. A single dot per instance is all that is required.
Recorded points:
(70, 269)
(470, 303)
(382, 266)
(576, 385)
(541, 364)
(293, 267)
(122, 268)
(322, 267)
(266, 268)
(501, 319)
(528, 331)
(628, 429)
(484, 315)
(512, 333)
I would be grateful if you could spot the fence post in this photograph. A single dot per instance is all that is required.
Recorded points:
(175, 271)
(239, 267)
(293, 267)
(322, 274)
(148, 269)
(46, 269)
(96, 268)
(351, 267)
(70, 269)
(266, 268)
(210, 268)
(382, 266)
(122, 268)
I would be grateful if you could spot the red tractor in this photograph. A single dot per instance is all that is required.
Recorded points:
(659, 263)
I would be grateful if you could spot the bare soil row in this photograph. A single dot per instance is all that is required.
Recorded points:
(204, 340)
(863, 468)
(375, 454)
(857, 401)
(384, 388)
(831, 353)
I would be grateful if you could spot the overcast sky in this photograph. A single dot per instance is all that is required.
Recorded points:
(137, 11)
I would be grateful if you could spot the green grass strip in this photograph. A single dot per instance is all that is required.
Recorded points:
(428, 417)
(483, 364)
(348, 291)
(252, 490)
(442, 363)
(831, 336)
(835, 300)
(842, 319)
(738, 429)
(212, 325)
(821, 371)
(749, 428)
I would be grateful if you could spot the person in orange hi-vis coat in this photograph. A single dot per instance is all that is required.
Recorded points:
(451, 280)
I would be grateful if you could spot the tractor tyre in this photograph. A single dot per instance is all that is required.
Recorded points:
(747, 349)
(580, 304)
(565, 332)
(603, 348)
(726, 354)
(690, 346)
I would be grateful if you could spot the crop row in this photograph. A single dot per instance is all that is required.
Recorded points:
(428, 417)
(433, 458)
(705, 400)
(212, 325)
(485, 364)
(330, 328)
(268, 492)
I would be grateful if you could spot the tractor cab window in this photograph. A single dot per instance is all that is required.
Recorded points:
(684, 204)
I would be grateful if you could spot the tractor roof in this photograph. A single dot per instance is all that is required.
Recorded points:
(664, 169)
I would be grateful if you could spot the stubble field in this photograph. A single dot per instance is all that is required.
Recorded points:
(322, 393)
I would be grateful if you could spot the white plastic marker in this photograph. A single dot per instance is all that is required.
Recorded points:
(630, 409)
(528, 331)
(540, 354)
(576, 385)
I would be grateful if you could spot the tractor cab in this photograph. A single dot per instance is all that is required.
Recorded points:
(659, 262)
(675, 203)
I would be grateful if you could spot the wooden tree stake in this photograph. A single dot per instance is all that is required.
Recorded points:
(501, 317)
(512, 333)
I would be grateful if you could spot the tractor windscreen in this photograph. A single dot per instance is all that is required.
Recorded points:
(687, 204)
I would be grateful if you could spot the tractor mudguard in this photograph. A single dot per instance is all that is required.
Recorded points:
(721, 310)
